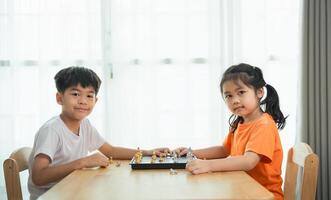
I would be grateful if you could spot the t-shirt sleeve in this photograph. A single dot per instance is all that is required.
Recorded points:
(262, 141)
(228, 142)
(46, 142)
(95, 140)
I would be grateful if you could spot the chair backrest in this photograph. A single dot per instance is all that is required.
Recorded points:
(302, 165)
(17, 162)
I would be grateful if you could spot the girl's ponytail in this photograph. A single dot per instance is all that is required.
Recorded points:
(272, 106)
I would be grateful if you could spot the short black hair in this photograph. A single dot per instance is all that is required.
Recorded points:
(74, 75)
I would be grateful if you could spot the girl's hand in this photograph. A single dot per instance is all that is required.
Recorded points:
(198, 166)
(180, 151)
(95, 160)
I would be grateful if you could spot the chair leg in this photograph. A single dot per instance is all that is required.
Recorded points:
(12, 179)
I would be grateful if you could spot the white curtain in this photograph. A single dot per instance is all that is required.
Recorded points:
(166, 61)
(37, 39)
(160, 62)
(167, 58)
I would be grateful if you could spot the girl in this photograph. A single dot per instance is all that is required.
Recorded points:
(253, 143)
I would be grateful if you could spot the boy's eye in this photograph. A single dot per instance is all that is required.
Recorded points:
(90, 96)
(227, 96)
(75, 94)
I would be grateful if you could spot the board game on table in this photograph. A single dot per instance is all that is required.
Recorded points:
(147, 162)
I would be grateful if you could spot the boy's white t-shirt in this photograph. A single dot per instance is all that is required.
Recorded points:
(55, 140)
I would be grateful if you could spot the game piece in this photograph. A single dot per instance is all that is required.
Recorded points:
(190, 156)
(174, 156)
(154, 156)
(161, 159)
(173, 172)
(138, 156)
(111, 160)
(118, 164)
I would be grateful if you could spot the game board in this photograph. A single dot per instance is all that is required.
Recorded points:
(168, 162)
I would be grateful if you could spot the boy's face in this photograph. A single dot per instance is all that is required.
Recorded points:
(77, 102)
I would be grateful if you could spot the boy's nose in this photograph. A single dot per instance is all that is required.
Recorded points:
(82, 100)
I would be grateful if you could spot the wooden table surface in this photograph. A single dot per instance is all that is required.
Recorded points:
(125, 184)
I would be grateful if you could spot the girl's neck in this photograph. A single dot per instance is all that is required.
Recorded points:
(72, 125)
(256, 114)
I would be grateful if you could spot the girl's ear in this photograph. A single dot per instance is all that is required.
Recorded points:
(59, 98)
(260, 92)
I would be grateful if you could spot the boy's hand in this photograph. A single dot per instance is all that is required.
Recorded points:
(158, 151)
(198, 166)
(180, 151)
(96, 160)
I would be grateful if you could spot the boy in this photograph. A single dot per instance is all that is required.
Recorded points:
(61, 145)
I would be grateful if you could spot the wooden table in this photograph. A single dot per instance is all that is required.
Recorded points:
(126, 184)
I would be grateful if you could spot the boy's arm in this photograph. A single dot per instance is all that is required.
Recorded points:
(126, 153)
(244, 162)
(117, 152)
(43, 173)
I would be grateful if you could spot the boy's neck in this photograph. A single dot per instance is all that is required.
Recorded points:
(72, 125)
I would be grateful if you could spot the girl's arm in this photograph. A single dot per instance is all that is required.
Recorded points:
(206, 153)
(211, 152)
(245, 162)
(43, 173)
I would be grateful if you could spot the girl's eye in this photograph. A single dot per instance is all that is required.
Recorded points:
(75, 94)
(242, 92)
(90, 96)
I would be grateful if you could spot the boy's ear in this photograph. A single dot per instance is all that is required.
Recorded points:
(59, 98)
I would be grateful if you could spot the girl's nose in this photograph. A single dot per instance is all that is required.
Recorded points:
(235, 100)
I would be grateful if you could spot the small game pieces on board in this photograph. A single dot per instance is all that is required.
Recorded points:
(171, 160)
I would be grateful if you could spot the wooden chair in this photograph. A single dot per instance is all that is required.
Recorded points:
(301, 173)
(17, 162)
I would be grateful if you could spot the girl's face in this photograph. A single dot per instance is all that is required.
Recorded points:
(242, 100)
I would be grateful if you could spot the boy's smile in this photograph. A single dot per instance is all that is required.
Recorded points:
(77, 103)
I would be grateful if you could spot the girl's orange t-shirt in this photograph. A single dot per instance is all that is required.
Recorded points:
(260, 136)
